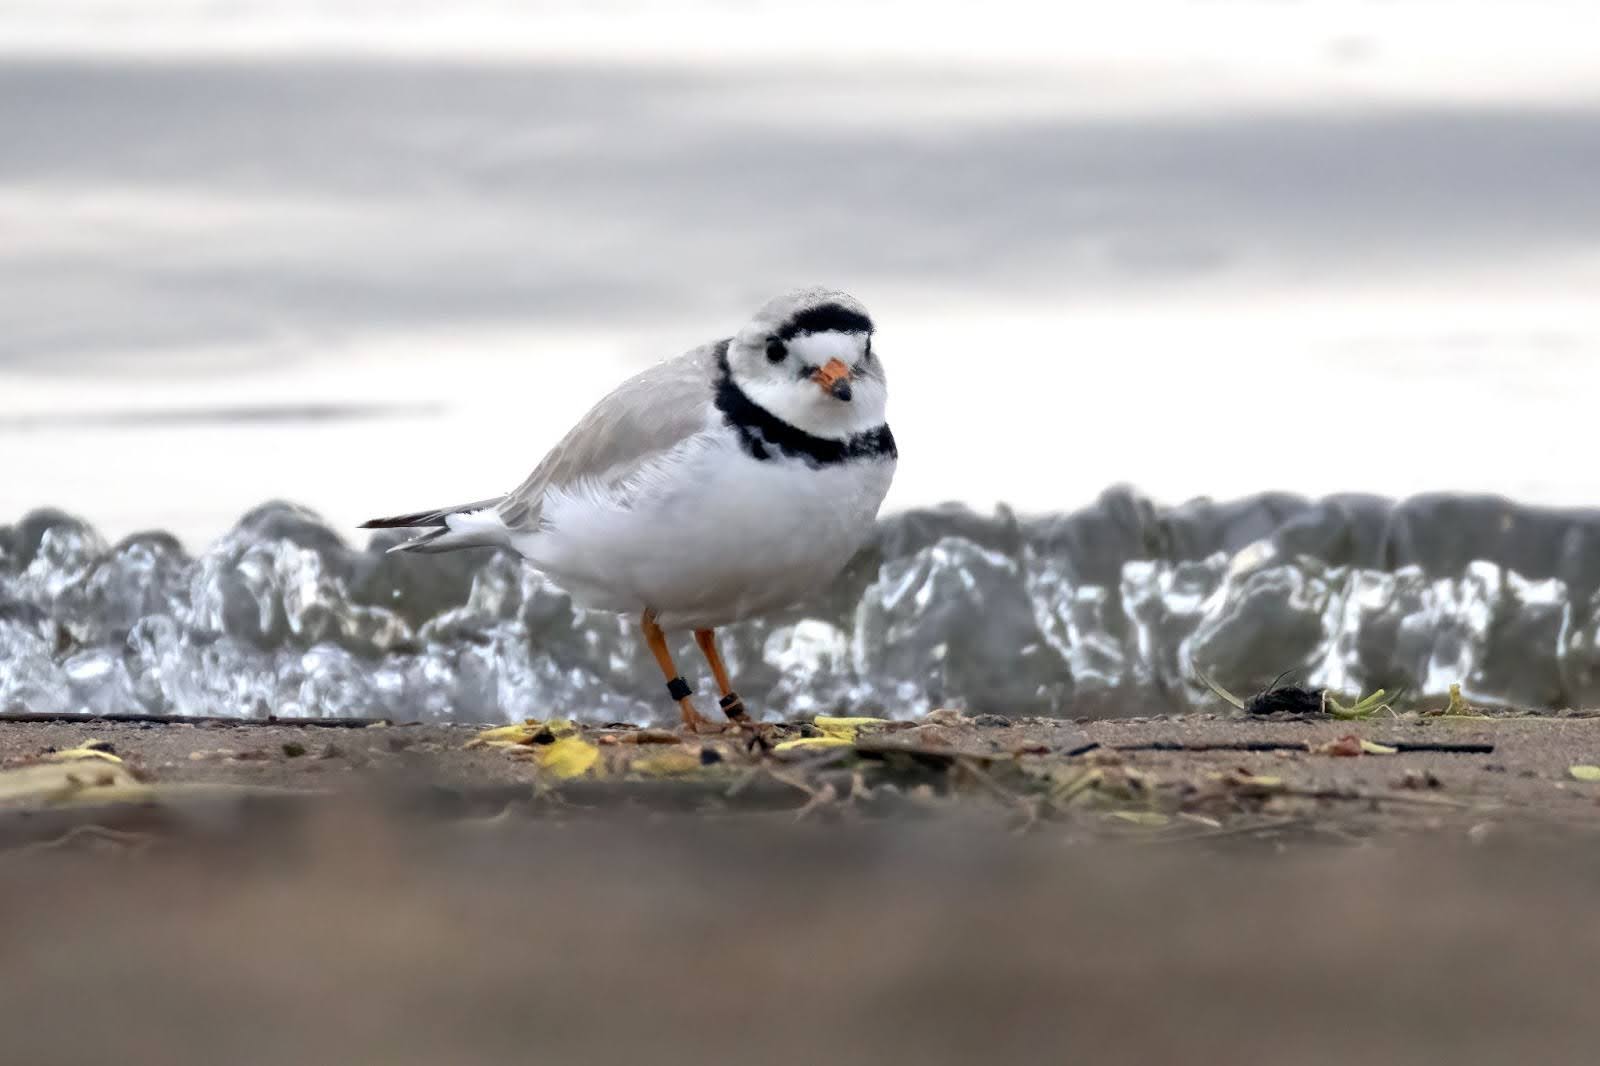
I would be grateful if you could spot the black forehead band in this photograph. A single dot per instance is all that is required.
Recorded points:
(825, 318)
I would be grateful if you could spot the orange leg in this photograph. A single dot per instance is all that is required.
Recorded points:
(676, 686)
(731, 705)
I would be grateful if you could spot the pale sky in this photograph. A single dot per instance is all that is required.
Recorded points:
(1206, 248)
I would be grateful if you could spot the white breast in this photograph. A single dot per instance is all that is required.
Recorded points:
(707, 535)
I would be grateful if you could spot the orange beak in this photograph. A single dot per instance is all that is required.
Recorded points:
(834, 379)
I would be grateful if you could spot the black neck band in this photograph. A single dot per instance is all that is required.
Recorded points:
(764, 435)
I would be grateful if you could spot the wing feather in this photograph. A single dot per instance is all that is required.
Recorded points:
(642, 419)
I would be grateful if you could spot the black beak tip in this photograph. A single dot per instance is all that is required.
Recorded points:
(840, 390)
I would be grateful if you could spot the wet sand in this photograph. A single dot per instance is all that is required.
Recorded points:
(363, 926)
(1525, 778)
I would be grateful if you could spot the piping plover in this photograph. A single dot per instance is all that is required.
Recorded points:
(722, 484)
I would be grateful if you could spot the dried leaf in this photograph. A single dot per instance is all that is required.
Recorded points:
(571, 756)
(1346, 747)
(1584, 772)
(836, 732)
(528, 731)
(845, 728)
(521, 733)
(814, 742)
(667, 763)
(47, 783)
(1350, 745)
(1244, 779)
(1067, 790)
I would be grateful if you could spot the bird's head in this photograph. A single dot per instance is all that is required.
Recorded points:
(807, 358)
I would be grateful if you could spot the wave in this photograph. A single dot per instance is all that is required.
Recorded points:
(1097, 612)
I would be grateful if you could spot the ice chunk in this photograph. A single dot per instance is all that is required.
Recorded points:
(30, 679)
(1026, 616)
(954, 625)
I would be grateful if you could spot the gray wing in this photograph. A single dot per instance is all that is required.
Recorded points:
(646, 416)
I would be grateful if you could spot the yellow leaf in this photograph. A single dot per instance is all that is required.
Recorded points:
(667, 763)
(1585, 773)
(1372, 747)
(528, 731)
(571, 756)
(48, 783)
(1242, 779)
(1065, 791)
(845, 728)
(814, 742)
(521, 733)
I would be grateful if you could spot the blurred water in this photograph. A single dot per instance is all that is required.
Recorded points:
(1098, 611)
(375, 256)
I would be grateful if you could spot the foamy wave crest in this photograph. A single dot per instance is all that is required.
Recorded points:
(1095, 612)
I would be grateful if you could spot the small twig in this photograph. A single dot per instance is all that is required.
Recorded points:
(823, 797)
(769, 771)
(1453, 749)
(745, 780)
(1223, 745)
(971, 768)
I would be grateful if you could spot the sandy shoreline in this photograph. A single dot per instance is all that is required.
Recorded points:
(1082, 780)
(422, 906)
(290, 894)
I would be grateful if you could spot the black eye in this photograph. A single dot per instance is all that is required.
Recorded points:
(775, 350)
(868, 353)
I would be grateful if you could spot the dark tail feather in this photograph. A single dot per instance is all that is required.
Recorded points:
(443, 532)
(420, 519)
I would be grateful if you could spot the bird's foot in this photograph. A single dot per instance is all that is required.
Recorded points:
(694, 722)
(757, 736)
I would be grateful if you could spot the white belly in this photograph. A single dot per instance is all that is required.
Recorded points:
(714, 536)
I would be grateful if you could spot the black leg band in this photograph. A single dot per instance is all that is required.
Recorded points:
(679, 689)
(732, 705)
